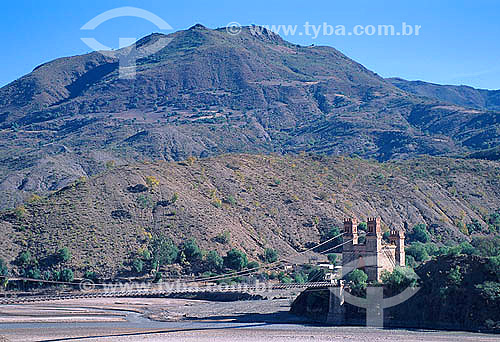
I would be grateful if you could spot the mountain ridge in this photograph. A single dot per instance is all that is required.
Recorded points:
(461, 95)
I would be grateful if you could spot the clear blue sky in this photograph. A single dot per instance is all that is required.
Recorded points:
(458, 41)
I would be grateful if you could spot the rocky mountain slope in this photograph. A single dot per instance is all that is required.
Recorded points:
(282, 202)
(208, 92)
(463, 96)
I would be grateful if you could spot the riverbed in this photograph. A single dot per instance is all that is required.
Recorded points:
(162, 319)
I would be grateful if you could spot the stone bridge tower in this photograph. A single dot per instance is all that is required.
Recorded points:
(374, 256)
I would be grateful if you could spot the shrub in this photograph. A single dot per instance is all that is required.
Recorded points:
(158, 277)
(235, 260)
(386, 236)
(223, 238)
(299, 277)
(4, 273)
(332, 258)
(454, 251)
(486, 246)
(494, 222)
(331, 233)
(418, 251)
(20, 212)
(270, 255)
(64, 254)
(90, 275)
(217, 202)
(419, 233)
(490, 290)
(191, 250)
(152, 182)
(174, 198)
(4, 270)
(214, 261)
(467, 248)
(66, 275)
(24, 258)
(33, 273)
(137, 265)
(316, 275)
(410, 261)
(231, 200)
(253, 265)
(144, 201)
(474, 226)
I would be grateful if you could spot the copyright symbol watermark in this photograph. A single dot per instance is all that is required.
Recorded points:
(233, 28)
(128, 52)
(86, 285)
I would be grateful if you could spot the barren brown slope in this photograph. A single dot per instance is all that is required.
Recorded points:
(267, 201)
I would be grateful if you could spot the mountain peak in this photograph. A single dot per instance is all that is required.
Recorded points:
(198, 27)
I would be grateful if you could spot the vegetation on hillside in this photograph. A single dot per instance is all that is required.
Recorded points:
(104, 222)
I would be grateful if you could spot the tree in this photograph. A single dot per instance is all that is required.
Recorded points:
(214, 261)
(455, 276)
(64, 254)
(24, 258)
(358, 280)
(410, 261)
(270, 255)
(235, 260)
(418, 251)
(191, 250)
(332, 258)
(493, 266)
(494, 222)
(330, 234)
(4, 273)
(467, 248)
(164, 251)
(431, 248)
(399, 279)
(299, 277)
(486, 246)
(362, 226)
(420, 233)
(66, 275)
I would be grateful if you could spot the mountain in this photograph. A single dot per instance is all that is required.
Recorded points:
(463, 96)
(263, 201)
(208, 92)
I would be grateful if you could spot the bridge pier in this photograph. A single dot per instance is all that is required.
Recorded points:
(336, 307)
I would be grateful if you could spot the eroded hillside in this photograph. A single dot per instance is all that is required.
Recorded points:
(283, 202)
